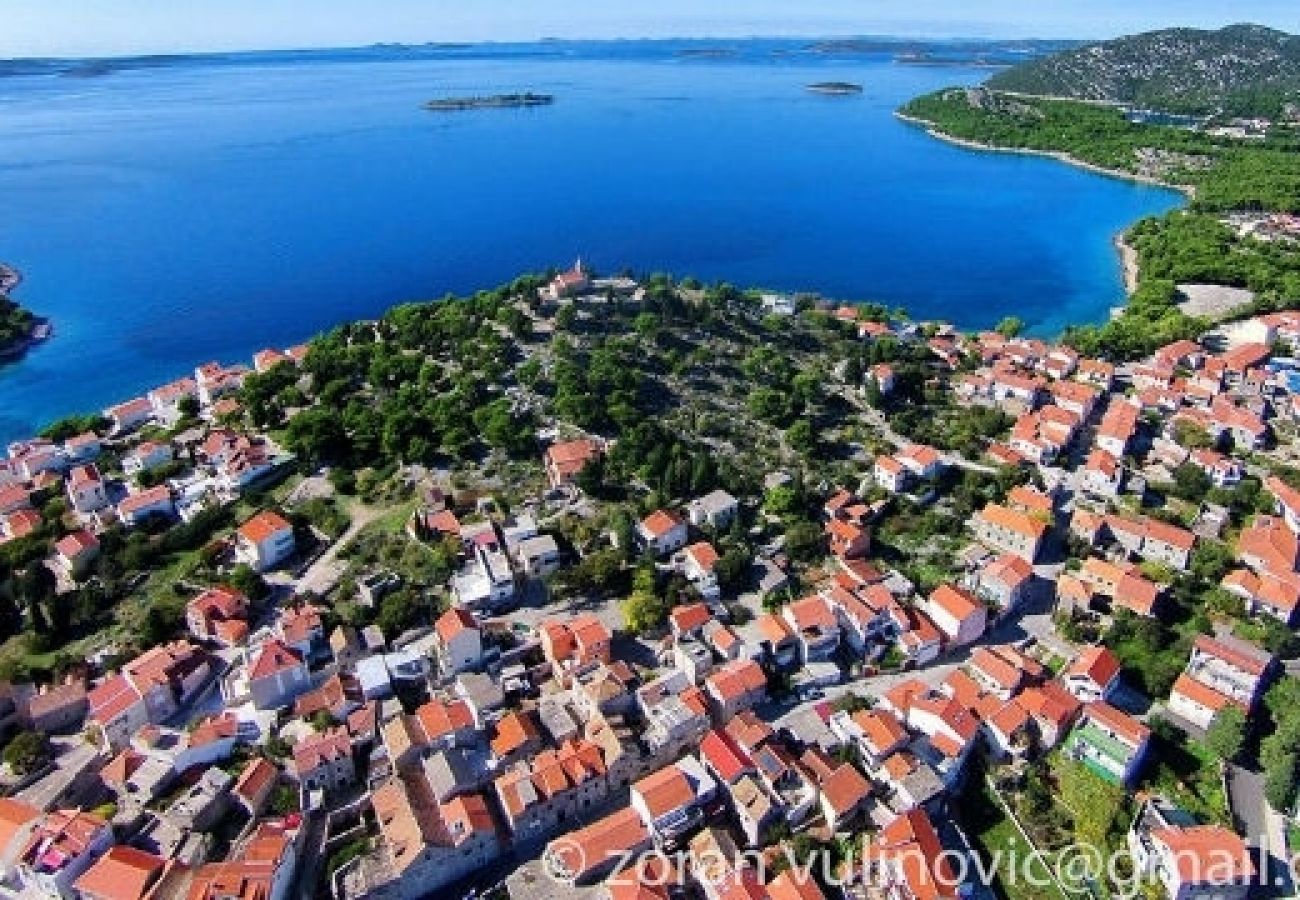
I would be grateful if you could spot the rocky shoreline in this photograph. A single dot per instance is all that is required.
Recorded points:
(41, 328)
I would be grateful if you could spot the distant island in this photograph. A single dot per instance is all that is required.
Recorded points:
(20, 329)
(492, 101)
(835, 88)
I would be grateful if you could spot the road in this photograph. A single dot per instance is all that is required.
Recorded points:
(323, 573)
(1264, 830)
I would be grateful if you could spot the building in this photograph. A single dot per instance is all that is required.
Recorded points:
(1191, 861)
(85, 488)
(1005, 583)
(458, 641)
(123, 873)
(670, 801)
(1010, 531)
(564, 461)
(63, 845)
(1111, 743)
(76, 552)
(715, 510)
(323, 762)
(277, 675)
(262, 868)
(218, 614)
(146, 504)
(264, 541)
(662, 532)
(1094, 675)
(590, 853)
(959, 615)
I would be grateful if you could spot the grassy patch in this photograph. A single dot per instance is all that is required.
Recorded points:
(996, 837)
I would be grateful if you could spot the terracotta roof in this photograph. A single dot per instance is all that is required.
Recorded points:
(954, 601)
(1011, 520)
(123, 873)
(274, 657)
(1096, 663)
(1207, 854)
(112, 698)
(845, 789)
(73, 545)
(15, 815)
(665, 791)
(608, 838)
(255, 778)
(515, 731)
(1200, 694)
(1122, 724)
(689, 617)
(262, 526)
(724, 756)
(660, 522)
(736, 679)
(439, 718)
(454, 622)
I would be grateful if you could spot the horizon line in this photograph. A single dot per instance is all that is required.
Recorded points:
(546, 39)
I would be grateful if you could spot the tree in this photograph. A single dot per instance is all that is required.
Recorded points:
(643, 612)
(1010, 327)
(803, 541)
(249, 582)
(27, 753)
(1227, 733)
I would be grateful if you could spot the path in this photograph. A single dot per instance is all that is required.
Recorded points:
(1264, 830)
(323, 573)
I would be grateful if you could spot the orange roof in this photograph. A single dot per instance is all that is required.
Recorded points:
(123, 873)
(256, 776)
(514, 732)
(665, 791)
(1121, 724)
(881, 729)
(1269, 542)
(954, 601)
(1198, 693)
(1012, 520)
(773, 628)
(912, 843)
(703, 555)
(439, 718)
(790, 886)
(689, 616)
(845, 789)
(262, 526)
(15, 815)
(659, 523)
(1207, 854)
(453, 622)
(1096, 663)
(736, 679)
(608, 838)
(273, 658)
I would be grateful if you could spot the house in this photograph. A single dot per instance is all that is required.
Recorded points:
(118, 710)
(1191, 861)
(921, 461)
(264, 541)
(907, 860)
(1222, 670)
(255, 783)
(125, 416)
(715, 510)
(1267, 545)
(458, 641)
(277, 674)
(698, 567)
(1277, 594)
(1102, 474)
(82, 448)
(537, 556)
(323, 762)
(515, 737)
(155, 501)
(123, 873)
(301, 628)
(17, 821)
(1111, 743)
(218, 614)
(564, 461)
(848, 539)
(815, 626)
(1093, 676)
(1010, 531)
(569, 283)
(589, 853)
(735, 686)
(670, 801)
(57, 709)
(959, 615)
(890, 474)
(844, 796)
(262, 867)
(1052, 709)
(1005, 582)
(75, 552)
(662, 533)
(555, 786)
(85, 488)
(689, 620)
(576, 644)
(1288, 501)
(63, 845)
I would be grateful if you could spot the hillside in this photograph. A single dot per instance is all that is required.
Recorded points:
(1242, 70)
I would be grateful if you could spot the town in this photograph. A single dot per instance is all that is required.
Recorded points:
(689, 574)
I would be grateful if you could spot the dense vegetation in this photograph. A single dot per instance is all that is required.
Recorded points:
(1242, 70)
(16, 324)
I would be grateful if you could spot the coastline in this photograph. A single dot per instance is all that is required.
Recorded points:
(1057, 155)
(1130, 262)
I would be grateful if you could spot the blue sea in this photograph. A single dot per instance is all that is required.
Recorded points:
(171, 211)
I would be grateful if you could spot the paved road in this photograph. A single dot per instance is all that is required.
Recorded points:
(324, 573)
(1264, 830)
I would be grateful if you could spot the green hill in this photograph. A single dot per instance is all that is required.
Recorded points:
(1242, 70)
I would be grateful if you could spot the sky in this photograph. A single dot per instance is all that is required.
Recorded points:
(120, 27)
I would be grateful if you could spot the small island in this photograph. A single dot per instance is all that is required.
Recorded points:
(20, 329)
(493, 101)
(835, 88)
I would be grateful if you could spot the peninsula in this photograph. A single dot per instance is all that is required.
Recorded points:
(20, 329)
(492, 101)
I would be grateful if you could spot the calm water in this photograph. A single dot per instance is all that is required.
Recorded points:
(166, 216)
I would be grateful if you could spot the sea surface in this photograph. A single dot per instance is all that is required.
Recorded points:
(168, 212)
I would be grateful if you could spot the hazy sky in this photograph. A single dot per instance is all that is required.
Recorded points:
(88, 27)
